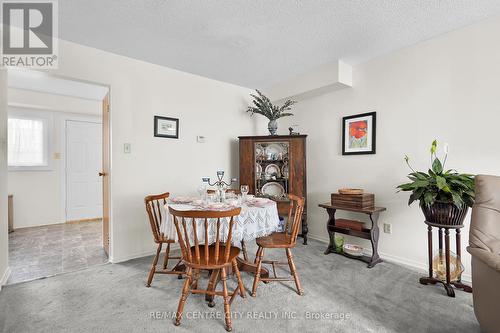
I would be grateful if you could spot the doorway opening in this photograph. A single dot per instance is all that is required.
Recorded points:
(58, 174)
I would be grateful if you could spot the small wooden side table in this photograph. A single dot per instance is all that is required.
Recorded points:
(448, 284)
(371, 233)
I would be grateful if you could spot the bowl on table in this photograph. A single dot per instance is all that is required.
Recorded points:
(353, 250)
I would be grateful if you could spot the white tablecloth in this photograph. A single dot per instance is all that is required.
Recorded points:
(253, 222)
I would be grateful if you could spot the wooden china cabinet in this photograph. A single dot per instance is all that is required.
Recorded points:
(274, 166)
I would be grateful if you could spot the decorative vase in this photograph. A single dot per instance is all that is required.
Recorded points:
(439, 266)
(272, 126)
(445, 213)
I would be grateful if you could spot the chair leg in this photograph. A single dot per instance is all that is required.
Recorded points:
(196, 278)
(153, 267)
(182, 300)
(225, 295)
(167, 254)
(260, 254)
(256, 255)
(212, 284)
(244, 250)
(294, 272)
(241, 286)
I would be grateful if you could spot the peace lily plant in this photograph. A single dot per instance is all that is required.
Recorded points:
(439, 186)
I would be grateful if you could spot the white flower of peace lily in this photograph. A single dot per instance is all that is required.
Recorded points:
(446, 148)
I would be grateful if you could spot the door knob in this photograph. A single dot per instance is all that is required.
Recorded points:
(102, 174)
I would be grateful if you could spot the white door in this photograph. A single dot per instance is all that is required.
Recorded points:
(83, 164)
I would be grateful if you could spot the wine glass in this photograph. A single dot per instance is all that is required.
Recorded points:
(244, 191)
(202, 191)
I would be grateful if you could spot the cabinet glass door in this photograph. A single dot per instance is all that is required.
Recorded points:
(272, 169)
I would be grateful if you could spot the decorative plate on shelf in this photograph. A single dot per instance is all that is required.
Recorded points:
(273, 189)
(276, 151)
(259, 152)
(273, 169)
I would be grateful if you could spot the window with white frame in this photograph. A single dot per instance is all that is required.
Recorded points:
(28, 142)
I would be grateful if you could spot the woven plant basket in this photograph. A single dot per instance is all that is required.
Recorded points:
(445, 213)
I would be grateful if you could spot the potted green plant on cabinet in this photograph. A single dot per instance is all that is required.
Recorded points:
(262, 105)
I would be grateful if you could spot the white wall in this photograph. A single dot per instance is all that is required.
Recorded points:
(444, 88)
(39, 196)
(139, 91)
(47, 101)
(4, 252)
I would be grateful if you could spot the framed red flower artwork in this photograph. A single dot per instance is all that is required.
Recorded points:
(359, 134)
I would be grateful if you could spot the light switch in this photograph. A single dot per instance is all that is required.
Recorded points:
(200, 139)
(127, 148)
(57, 156)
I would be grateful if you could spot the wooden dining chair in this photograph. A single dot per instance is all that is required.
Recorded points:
(233, 190)
(154, 208)
(281, 240)
(199, 254)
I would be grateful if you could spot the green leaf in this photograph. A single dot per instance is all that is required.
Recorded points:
(447, 189)
(419, 175)
(411, 199)
(431, 174)
(406, 187)
(440, 182)
(420, 183)
(418, 193)
(457, 200)
(429, 198)
(437, 167)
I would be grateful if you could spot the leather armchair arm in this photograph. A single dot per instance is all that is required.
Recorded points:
(487, 257)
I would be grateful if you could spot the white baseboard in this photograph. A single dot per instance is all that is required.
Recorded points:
(411, 264)
(114, 260)
(322, 239)
(130, 257)
(5, 277)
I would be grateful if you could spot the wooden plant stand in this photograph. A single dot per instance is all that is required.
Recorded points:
(354, 228)
(448, 284)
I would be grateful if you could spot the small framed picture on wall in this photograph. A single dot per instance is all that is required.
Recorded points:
(359, 134)
(166, 127)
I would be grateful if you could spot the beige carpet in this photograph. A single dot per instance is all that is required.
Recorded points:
(341, 295)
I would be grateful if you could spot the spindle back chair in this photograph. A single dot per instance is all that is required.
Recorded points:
(196, 231)
(286, 239)
(155, 208)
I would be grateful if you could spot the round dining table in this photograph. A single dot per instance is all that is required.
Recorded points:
(258, 217)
